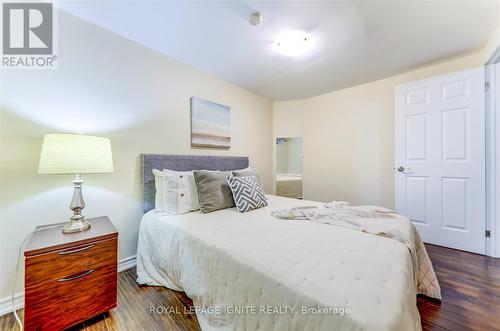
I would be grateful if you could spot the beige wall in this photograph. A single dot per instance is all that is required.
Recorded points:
(107, 86)
(349, 136)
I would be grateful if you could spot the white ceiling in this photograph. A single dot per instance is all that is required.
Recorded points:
(354, 42)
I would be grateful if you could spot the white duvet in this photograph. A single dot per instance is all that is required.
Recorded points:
(252, 271)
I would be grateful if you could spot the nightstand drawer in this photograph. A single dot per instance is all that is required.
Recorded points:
(69, 261)
(71, 299)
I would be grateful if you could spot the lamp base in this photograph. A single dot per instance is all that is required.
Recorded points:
(77, 222)
(76, 226)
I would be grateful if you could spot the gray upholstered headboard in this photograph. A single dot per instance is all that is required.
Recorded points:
(182, 163)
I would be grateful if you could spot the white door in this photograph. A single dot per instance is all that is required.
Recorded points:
(440, 158)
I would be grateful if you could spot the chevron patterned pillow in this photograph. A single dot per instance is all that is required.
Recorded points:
(247, 193)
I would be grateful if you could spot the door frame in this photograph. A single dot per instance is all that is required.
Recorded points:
(492, 78)
(492, 102)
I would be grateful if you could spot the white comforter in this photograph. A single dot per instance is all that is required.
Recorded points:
(276, 272)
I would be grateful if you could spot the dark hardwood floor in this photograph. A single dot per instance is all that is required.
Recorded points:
(470, 286)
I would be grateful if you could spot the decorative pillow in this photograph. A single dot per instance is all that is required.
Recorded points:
(159, 188)
(181, 190)
(175, 191)
(213, 190)
(247, 193)
(247, 172)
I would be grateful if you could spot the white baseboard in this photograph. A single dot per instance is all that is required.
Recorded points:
(6, 302)
(127, 263)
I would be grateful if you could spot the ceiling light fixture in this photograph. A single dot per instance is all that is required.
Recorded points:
(293, 43)
(256, 18)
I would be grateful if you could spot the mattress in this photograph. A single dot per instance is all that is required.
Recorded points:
(252, 271)
(289, 185)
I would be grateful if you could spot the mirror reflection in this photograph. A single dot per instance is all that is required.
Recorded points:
(289, 167)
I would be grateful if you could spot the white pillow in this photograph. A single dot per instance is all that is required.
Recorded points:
(175, 191)
(159, 188)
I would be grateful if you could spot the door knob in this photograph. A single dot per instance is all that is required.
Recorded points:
(401, 169)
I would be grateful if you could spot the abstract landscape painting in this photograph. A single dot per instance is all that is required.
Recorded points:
(210, 124)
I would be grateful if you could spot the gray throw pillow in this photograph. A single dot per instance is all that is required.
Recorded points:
(213, 190)
(247, 193)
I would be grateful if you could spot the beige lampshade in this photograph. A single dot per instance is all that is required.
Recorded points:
(75, 154)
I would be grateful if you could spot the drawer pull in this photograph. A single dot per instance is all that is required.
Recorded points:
(77, 276)
(76, 250)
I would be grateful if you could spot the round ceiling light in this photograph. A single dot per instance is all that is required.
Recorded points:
(293, 43)
(256, 18)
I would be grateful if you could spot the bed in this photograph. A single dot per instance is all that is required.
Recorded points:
(254, 272)
(289, 185)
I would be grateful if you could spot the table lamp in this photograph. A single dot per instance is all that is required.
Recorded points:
(75, 154)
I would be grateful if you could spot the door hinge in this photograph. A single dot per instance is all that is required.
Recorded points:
(487, 86)
(487, 233)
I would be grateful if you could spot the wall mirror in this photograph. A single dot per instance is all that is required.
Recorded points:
(289, 167)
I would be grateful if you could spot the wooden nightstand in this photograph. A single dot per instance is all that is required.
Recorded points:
(69, 278)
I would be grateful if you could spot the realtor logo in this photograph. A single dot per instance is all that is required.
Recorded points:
(27, 28)
(28, 35)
